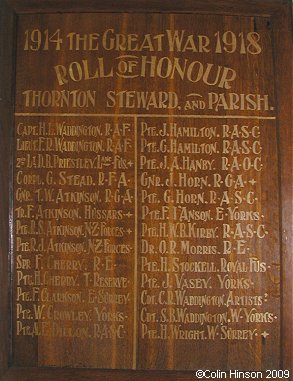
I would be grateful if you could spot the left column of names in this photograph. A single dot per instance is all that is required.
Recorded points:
(74, 234)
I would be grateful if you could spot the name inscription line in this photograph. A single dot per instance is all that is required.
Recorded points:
(151, 116)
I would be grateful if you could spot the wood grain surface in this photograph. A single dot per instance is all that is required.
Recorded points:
(144, 241)
(250, 7)
(7, 80)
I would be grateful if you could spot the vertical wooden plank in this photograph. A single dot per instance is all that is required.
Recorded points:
(249, 7)
(95, 254)
(7, 54)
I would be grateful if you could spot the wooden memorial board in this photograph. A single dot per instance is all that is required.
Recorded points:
(146, 179)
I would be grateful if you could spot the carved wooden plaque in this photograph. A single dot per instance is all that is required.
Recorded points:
(149, 194)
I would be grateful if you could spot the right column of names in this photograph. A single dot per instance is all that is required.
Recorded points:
(207, 256)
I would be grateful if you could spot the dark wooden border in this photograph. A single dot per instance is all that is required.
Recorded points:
(280, 13)
(249, 7)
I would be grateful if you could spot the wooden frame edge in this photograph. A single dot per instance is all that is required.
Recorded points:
(283, 83)
(7, 70)
(200, 6)
(280, 13)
